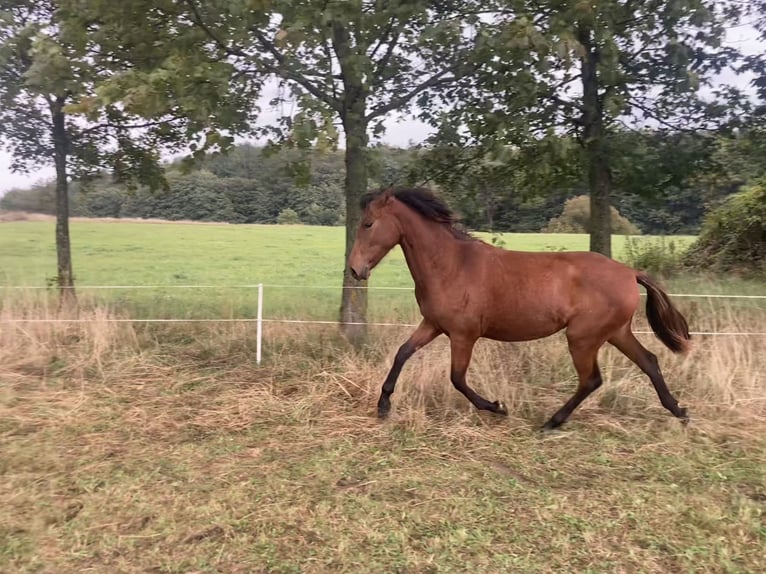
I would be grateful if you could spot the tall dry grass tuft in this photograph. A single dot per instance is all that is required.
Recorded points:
(309, 372)
(37, 338)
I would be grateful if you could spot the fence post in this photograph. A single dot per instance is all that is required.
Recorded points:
(259, 325)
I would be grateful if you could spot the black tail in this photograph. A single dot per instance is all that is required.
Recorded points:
(666, 321)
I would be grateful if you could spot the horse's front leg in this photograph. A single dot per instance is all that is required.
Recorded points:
(423, 334)
(462, 349)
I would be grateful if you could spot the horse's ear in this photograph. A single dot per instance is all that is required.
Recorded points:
(388, 195)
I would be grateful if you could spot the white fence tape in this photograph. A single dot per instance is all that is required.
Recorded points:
(308, 322)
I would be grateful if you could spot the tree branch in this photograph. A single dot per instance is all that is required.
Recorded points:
(197, 17)
(652, 115)
(383, 37)
(281, 70)
(126, 127)
(297, 77)
(328, 54)
(566, 103)
(451, 168)
(383, 63)
(435, 80)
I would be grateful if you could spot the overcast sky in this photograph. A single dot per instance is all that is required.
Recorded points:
(398, 133)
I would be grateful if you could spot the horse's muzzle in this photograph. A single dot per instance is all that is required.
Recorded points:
(362, 275)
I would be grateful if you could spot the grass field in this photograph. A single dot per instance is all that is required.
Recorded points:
(304, 264)
(154, 448)
(177, 253)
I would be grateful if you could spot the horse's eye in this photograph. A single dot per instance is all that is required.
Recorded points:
(368, 224)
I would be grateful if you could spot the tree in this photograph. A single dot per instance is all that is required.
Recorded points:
(352, 63)
(37, 76)
(59, 76)
(587, 67)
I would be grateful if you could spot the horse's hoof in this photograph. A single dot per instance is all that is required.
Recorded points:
(683, 416)
(383, 412)
(500, 408)
(549, 427)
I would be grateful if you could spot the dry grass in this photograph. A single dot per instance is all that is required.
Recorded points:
(130, 448)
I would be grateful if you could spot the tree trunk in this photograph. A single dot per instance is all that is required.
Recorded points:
(599, 180)
(65, 278)
(353, 308)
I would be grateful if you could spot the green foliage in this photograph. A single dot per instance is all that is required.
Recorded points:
(657, 256)
(288, 217)
(575, 218)
(39, 198)
(198, 197)
(159, 67)
(104, 201)
(53, 62)
(261, 184)
(733, 236)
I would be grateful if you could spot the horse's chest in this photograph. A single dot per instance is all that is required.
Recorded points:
(444, 306)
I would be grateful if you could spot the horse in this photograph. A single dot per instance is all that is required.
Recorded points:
(468, 289)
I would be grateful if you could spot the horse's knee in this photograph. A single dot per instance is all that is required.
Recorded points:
(404, 353)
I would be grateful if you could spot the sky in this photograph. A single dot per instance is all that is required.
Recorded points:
(398, 132)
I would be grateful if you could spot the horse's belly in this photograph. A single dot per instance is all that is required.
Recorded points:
(502, 324)
(525, 334)
(522, 327)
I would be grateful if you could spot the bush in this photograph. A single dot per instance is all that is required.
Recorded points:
(655, 256)
(733, 236)
(102, 202)
(288, 217)
(576, 219)
(318, 215)
(40, 198)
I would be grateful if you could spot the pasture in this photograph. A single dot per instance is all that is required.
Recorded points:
(304, 264)
(164, 448)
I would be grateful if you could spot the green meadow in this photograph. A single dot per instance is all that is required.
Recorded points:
(111, 253)
(300, 266)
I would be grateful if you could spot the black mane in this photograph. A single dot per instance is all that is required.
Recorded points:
(423, 201)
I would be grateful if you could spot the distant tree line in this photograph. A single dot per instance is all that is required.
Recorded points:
(663, 187)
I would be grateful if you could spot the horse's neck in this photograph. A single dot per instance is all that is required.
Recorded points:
(430, 249)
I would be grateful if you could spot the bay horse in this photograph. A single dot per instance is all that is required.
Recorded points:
(468, 289)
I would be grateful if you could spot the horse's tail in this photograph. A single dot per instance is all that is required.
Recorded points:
(666, 321)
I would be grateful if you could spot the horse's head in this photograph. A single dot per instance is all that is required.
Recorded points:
(376, 235)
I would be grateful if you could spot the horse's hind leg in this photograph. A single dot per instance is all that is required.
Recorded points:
(629, 346)
(589, 375)
(423, 334)
(461, 357)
